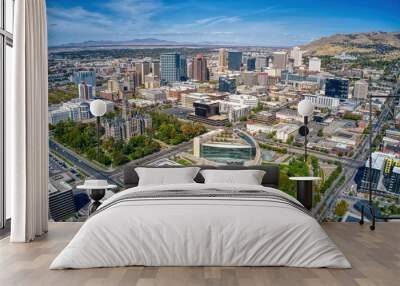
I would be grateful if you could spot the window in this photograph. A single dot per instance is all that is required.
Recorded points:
(6, 43)
(161, 97)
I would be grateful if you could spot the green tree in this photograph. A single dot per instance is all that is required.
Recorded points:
(243, 118)
(290, 140)
(341, 208)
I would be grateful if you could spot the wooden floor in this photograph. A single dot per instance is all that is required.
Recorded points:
(375, 257)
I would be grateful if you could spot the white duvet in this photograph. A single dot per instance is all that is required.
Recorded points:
(202, 232)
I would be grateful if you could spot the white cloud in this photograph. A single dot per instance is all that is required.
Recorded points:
(129, 19)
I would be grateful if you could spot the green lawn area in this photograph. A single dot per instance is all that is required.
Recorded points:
(296, 167)
(173, 131)
(62, 94)
(81, 137)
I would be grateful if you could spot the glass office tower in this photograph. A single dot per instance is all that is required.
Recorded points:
(170, 65)
(234, 60)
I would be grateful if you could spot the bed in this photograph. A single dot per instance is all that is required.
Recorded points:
(201, 224)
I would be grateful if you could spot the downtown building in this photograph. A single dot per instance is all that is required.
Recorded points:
(86, 91)
(173, 68)
(222, 60)
(226, 84)
(360, 89)
(122, 129)
(314, 64)
(251, 64)
(337, 87)
(280, 60)
(89, 77)
(297, 55)
(75, 110)
(321, 101)
(234, 60)
(199, 68)
(385, 174)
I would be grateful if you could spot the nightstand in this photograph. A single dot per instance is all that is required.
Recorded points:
(97, 190)
(304, 190)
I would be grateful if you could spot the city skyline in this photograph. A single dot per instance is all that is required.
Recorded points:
(267, 23)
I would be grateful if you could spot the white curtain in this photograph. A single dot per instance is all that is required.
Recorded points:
(27, 124)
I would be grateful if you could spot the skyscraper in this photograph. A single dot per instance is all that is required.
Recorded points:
(170, 68)
(279, 60)
(199, 68)
(84, 76)
(297, 55)
(251, 64)
(222, 62)
(314, 64)
(361, 89)
(155, 68)
(86, 91)
(190, 67)
(337, 87)
(143, 69)
(227, 84)
(183, 69)
(261, 62)
(234, 60)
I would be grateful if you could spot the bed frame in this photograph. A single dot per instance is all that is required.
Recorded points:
(270, 179)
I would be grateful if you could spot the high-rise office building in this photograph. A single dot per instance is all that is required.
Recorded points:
(86, 91)
(394, 181)
(142, 68)
(222, 62)
(314, 64)
(261, 62)
(155, 68)
(183, 69)
(199, 68)
(361, 89)
(61, 204)
(84, 76)
(113, 85)
(280, 60)
(226, 84)
(170, 68)
(337, 87)
(297, 55)
(234, 60)
(251, 64)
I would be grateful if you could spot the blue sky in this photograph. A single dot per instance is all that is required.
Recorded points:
(252, 22)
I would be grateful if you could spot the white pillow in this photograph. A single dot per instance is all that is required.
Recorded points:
(247, 177)
(166, 176)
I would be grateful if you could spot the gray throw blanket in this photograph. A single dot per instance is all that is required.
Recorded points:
(206, 194)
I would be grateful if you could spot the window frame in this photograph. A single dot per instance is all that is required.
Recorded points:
(6, 39)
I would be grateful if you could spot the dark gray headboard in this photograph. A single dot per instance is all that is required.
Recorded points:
(271, 178)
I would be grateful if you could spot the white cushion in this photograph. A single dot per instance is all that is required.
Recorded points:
(166, 176)
(247, 177)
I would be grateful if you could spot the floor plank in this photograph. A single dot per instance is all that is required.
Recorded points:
(375, 257)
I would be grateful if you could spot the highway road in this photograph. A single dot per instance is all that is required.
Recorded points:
(174, 150)
(113, 176)
(81, 164)
(329, 200)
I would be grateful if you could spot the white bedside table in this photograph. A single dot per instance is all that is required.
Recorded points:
(97, 190)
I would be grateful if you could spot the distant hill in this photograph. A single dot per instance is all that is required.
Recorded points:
(385, 45)
(134, 42)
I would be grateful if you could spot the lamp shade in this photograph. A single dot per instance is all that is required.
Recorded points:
(305, 108)
(98, 107)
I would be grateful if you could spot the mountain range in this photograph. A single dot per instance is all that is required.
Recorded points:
(384, 44)
(134, 42)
